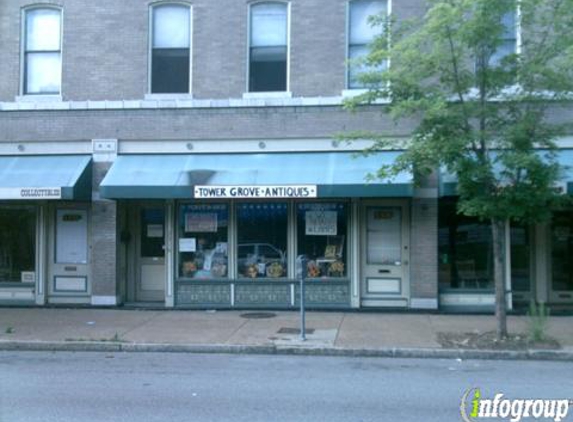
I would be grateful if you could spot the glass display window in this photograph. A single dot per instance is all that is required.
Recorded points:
(203, 241)
(17, 244)
(466, 252)
(322, 233)
(562, 251)
(262, 240)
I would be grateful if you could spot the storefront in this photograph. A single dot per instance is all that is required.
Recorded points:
(223, 230)
(539, 256)
(44, 218)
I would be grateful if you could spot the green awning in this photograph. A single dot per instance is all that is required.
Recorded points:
(46, 177)
(449, 181)
(332, 174)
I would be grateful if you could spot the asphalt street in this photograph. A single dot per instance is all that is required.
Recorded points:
(63, 386)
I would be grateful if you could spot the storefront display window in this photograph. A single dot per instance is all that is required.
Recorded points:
(203, 241)
(17, 244)
(562, 251)
(520, 259)
(466, 252)
(321, 238)
(262, 240)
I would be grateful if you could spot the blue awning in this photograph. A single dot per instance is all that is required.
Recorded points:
(335, 174)
(46, 177)
(449, 181)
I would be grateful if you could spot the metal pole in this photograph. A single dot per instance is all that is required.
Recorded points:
(302, 312)
(301, 273)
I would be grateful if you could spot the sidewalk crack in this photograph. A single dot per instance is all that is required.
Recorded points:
(338, 329)
(236, 331)
(155, 315)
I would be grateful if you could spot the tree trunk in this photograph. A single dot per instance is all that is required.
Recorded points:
(498, 234)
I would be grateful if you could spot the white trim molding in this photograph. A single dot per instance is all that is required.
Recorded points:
(104, 300)
(418, 303)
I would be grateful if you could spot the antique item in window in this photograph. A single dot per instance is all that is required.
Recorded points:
(313, 270)
(336, 269)
(275, 270)
(252, 271)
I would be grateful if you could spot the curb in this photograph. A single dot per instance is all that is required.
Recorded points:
(394, 352)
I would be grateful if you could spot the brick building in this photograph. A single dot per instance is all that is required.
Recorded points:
(181, 153)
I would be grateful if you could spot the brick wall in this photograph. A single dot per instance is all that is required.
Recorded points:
(424, 249)
(103, 238)
(242, 123)
(105, 47)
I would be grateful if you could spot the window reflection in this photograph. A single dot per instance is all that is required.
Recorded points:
(203, 241)
(262, 240)
(321, 238)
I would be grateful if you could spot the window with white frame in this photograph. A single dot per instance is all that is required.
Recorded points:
(170, 48)
(268, 47)
(490, 56)
(42, 51)
(360, 34)
(508, 42)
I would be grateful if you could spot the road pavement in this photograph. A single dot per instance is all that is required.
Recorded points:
(89, 387)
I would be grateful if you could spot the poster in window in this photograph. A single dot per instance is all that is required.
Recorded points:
(188, 245)
(201, 222)
(321, 223)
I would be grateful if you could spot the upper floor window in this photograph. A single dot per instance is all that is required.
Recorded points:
(508, 41)
(171, 49)
(360, 34)
(268, 47)
(42, 51)
(492, 50)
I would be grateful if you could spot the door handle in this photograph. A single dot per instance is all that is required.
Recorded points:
(383, 271)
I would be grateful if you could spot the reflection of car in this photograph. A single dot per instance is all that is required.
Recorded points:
(259, 253)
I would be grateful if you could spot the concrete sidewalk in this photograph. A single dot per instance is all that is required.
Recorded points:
(330, 333)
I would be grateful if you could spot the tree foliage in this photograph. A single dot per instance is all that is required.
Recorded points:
(483, 116)
(483, 79)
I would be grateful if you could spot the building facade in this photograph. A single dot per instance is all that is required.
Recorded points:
(184, 154)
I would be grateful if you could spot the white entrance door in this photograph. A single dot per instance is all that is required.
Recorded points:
(150, 284)
(69, 256)
(385, 254)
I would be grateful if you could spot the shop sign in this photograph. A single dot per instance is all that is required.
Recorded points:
(30, 193)
(321, 223)
(258, 191)
(201, 222)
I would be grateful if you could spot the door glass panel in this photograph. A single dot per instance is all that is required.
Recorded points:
(152, 228)
(71, 237)
(562, 251)
(384, 240)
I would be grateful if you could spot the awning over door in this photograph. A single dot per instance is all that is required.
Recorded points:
(449, 181)
(318, 174)
(46, 177)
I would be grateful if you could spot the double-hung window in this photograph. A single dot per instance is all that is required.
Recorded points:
(171, 49)
(268, 47)
(360, 34)
(42, 51)
(508, 42)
